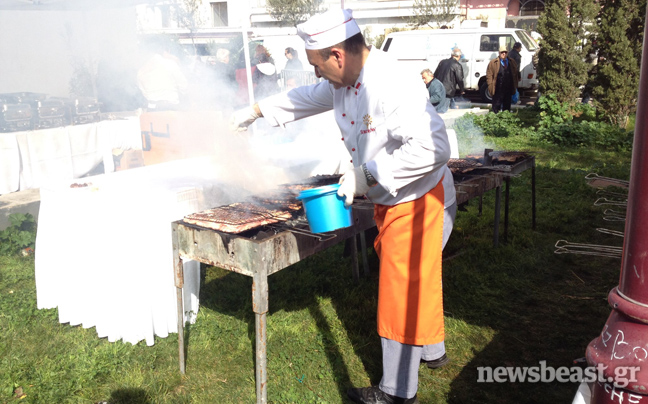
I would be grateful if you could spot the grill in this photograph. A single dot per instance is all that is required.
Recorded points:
(266, 249)
(258, 253)
(475, 175)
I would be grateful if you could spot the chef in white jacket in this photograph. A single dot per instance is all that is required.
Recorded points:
(399, 149)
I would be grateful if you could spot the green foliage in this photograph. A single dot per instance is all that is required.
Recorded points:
(503, 124)
(619, 43)
(553, 112)
(561, 66)
(570, 125)
(19, 235)
(596, 45)
(434, 13)
(292, 12)
(584, 112)
(557, 122)
(601, 135)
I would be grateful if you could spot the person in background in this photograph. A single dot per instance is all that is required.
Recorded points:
(222, 67)
(450, 73)
(515, 54)
(265, 77)
(117, 86)
(224, 79)
(293, 62)
(434, 86)
(262, 55)
(293, 69)
(502, 76)
(399, 151)
(160, 79)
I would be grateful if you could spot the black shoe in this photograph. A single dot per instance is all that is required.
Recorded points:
(373, 395)
(437, 363)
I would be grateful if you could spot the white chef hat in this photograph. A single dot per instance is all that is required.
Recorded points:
(328, 29)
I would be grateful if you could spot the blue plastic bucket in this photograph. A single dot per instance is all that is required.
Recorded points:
(325, 210)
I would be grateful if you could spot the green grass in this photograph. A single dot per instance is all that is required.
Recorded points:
(514, 305)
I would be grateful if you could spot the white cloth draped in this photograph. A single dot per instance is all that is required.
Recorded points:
(104, 252)
(10, 160)
(31, 159)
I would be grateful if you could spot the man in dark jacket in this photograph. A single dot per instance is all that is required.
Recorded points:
(502, 76)
(450, 73)
(515, 54)
(434, 86)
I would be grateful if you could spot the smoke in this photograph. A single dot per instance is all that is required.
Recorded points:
(94, 50)
(470, 138)
(55, 51)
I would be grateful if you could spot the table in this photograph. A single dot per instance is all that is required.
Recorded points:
(257, 258)
(30, 159)
(477, 186)
(103, 252)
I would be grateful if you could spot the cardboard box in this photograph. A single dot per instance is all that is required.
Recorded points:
(129, 159)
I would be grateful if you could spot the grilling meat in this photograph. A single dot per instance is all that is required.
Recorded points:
(279, 200)
(275, 206)
(458, 166)
(237, 217)
(504, 157)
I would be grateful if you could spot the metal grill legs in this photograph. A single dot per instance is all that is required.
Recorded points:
(260, 308)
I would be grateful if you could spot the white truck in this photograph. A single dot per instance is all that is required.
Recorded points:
(421, 49)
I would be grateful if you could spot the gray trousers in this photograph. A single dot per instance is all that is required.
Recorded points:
(401, 365)
(401, 361)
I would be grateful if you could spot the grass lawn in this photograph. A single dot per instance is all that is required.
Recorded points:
(513, 305)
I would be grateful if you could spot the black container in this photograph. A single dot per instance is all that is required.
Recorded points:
(84, 110)
(51, 113)
(15, 117)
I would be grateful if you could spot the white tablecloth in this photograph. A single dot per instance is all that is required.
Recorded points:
(104, 252)
(31, 159)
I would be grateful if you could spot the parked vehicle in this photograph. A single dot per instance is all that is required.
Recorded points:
(421, 49)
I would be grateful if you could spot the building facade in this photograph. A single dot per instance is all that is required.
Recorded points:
(373, 16)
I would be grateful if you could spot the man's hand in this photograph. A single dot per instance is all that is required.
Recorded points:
(243, 118)
(353, 183)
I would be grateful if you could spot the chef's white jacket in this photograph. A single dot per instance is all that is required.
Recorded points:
(386, 121)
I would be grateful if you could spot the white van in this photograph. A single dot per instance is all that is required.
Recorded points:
(421, 49)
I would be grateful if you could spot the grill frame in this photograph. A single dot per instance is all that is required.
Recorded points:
(257, 258)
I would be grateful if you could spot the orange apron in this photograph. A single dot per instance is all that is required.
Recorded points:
(410, 298)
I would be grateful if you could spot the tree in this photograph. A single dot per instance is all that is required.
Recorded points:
(293, 12)
(565, 26)
(619, 45)
(187, 14)
(439, 12)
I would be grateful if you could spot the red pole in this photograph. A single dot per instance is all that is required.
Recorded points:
(622, 347)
